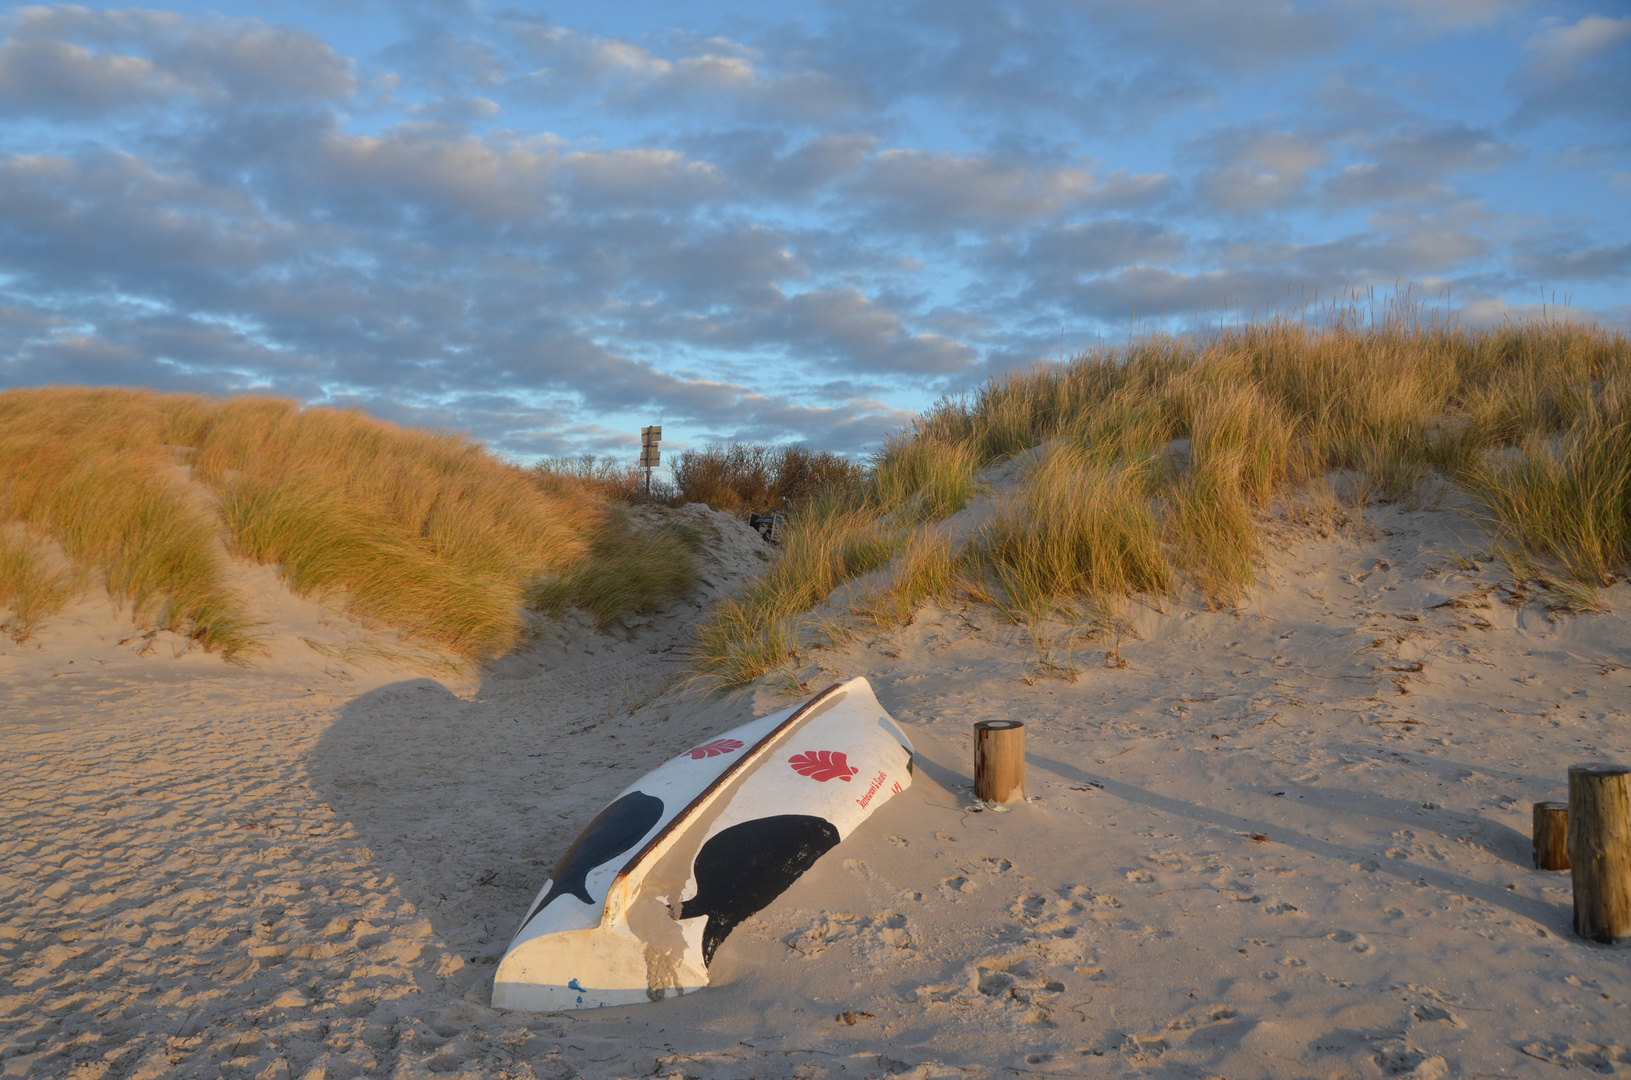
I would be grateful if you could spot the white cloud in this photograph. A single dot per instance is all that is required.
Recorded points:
(1557, 50)
(627, 178)
(1581, 70)
(63, 60)
(720, 72)
(1256, 170)
(1491, 311)
(951, 191)
(1575, 258)
(62, 78)
(1414, 163)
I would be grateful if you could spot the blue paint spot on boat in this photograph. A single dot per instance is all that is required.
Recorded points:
(572, 984)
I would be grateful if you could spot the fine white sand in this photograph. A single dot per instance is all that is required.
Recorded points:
(1286, 840)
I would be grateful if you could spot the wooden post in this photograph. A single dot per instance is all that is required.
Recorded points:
(1600, 850)
(1551, 836)
(999, 760)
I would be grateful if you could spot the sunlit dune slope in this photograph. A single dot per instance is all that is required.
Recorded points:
(1152, 469)
(148, 495)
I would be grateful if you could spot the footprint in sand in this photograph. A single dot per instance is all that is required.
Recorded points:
(1598, 1057)
(1047, 918)
(1143, 1050)
(1434, 1014)
(877, 936)
(1354, 941)
(1405, 1060)
(1216, 1015)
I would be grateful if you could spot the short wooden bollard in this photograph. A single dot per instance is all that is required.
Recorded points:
(1600, 850)
(1551, 836)
(999, 760)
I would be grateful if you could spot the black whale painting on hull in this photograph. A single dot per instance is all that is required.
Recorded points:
(640, 903)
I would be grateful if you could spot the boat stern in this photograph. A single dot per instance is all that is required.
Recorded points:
(586, 969)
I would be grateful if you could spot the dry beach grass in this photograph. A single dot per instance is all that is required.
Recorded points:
(150, 495)
(1153, 467)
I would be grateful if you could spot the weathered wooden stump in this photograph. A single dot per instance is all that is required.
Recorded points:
(999, 760)
(1551, 836)
(1600, 850)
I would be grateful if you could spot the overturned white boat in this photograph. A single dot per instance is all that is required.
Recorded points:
(711, 837)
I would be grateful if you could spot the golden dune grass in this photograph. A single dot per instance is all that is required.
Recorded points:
(427, 532)
(1159, 461)
(29, 585)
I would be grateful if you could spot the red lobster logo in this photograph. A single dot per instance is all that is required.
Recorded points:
(823, 765)
(714, 749)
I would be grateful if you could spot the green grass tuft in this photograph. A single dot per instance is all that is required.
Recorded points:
(626, 572)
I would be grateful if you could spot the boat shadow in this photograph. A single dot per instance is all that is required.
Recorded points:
(464, 807)
(466, 804)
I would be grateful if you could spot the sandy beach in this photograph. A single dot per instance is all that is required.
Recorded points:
(1285, 840)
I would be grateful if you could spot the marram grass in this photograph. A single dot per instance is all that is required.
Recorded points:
(832, 538)
(30, 587)
(424, 531)
(1152, 468)
(627, 572)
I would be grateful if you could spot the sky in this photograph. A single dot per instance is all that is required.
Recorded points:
(551, 225)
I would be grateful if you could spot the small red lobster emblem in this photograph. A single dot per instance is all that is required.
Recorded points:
(823, 765)
(714, 749)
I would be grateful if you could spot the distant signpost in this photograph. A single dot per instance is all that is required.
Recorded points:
(650, 455)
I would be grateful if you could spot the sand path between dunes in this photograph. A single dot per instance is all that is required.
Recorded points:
(1286, 841)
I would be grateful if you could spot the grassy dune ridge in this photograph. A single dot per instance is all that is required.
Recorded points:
(152, 493)
(1151, 468)
(734, 477)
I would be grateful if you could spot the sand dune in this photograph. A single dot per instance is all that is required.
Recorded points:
(1286, 840)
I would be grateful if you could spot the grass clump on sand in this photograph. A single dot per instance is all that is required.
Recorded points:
(1080, 529)
(427, 532)
(834, 537)
(1152, 466)
(1528, 418)
(626, 572)
(1566, 499)
(29, 585)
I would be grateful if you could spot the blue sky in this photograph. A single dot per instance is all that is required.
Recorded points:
(550, 225)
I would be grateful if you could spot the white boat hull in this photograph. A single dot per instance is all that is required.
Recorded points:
(640, 902)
